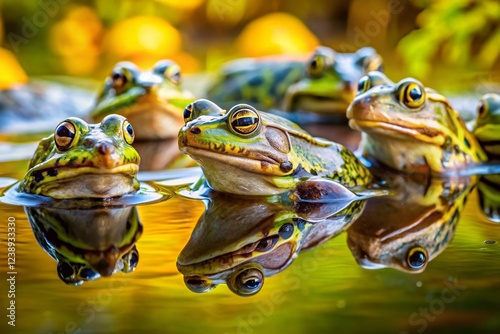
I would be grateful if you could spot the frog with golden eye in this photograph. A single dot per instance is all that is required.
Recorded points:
(247, 152)
(411, 128)
(81, 160)
(323, 84)
(152, 100)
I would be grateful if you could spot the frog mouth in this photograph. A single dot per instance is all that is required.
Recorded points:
(71, 172)
(424, 134)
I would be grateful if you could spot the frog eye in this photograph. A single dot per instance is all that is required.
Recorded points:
(119, 78)
(412, 95)
(199, 284)
(128, 132)
(188, 113)
(316, 66)
(373, 63)
(169, 69)
(363, 85)
(416, 258)
(246, 282)
(267, 244)
(244, 120)
(88, 274)
(130, 260)
(481, 109)
(64, 135)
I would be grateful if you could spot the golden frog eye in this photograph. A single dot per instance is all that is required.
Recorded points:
(246, 281)
(416, 258)
(188, 113)
(64, 135)
(244, 120)
(316, 66)
(412, 95)
(363, 85)
(128, 132)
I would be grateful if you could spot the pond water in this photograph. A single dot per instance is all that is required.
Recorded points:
(327, 287)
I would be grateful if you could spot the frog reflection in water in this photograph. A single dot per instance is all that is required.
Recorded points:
(408, 230)
(83, 160)
(487, 132)
(239, 242)
(325, 83)
(411, 128)
(151, 100)
(88, 244)
(247, 152)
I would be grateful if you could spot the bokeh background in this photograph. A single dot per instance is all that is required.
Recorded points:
(453, 44)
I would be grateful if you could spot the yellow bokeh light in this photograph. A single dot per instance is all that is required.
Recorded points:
(276, 33)
(184, 4)
(12, 73)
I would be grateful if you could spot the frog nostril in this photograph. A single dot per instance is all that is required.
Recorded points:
(88, 143)
(195, 131)
(105, 148)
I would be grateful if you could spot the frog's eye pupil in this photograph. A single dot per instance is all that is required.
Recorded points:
(134, 259)
(363, 85)
(244, 120)
(248, 282)
(481, 109)
(412, 95)
(64, 131)
(87, 273)
(128, 132)
(65, 270)
(416, 94)
(252, 283)
(314, 64)
(286, 231)
(64, 135)
(417, 258)
(188, 111)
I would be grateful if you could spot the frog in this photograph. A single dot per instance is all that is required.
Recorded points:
(152, 100)
(241, 242)
(247, 152)
(324, 83)
(486, 125)
(408, 230)
(411, 128)
(88, 244)
(81, 160)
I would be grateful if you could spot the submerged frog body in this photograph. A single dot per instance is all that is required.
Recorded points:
(83, 160)
(325, 83)
(151, 100)
(241, 242)
(487, 125)
(247, 152)
(88, 244)
(408, 230)
(411, 128)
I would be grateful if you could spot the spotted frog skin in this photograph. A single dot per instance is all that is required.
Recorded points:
(152, 100)
(88, 244)
(325, 83)
(247, 152)
(411, 128)
(487, 125)
(81, 160)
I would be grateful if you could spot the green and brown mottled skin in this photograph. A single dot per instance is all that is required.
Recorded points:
(325, 83)
(247, 152)
(411, 128)
(487, 127)
(97, 163)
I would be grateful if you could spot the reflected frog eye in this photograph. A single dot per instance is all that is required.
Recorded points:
(316, 66)
(481, 109)
(88, 274)
(244, 120)
(412, 95)
(416, 258)
(64, 135)
(246, 282)
(188, 113)
(363, 85)
(128, 132)
(199, 284)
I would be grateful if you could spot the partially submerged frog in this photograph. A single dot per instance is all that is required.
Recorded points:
(408, 230)
(411, 128)
(88, 244)
(151, 100)
(325, 83)
(247, 152)
(81, 160)
(240, 242)
(487, 125)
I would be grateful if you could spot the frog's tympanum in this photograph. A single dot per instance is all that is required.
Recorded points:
(411, 128)
(239, 241)
(325, 83)
(247, 152)
(411, 228)
(88, 244)
(151, 100)
(81, 160)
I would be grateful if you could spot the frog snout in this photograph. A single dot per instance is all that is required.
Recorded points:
(107, 152)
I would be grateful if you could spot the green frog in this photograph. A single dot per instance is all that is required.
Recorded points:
(151, 100)
(487, 123)
(411, 128)
(81, 160)
(247, 152)
(408, 230)
(241, 242)
(88, 244)
(324, 84)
